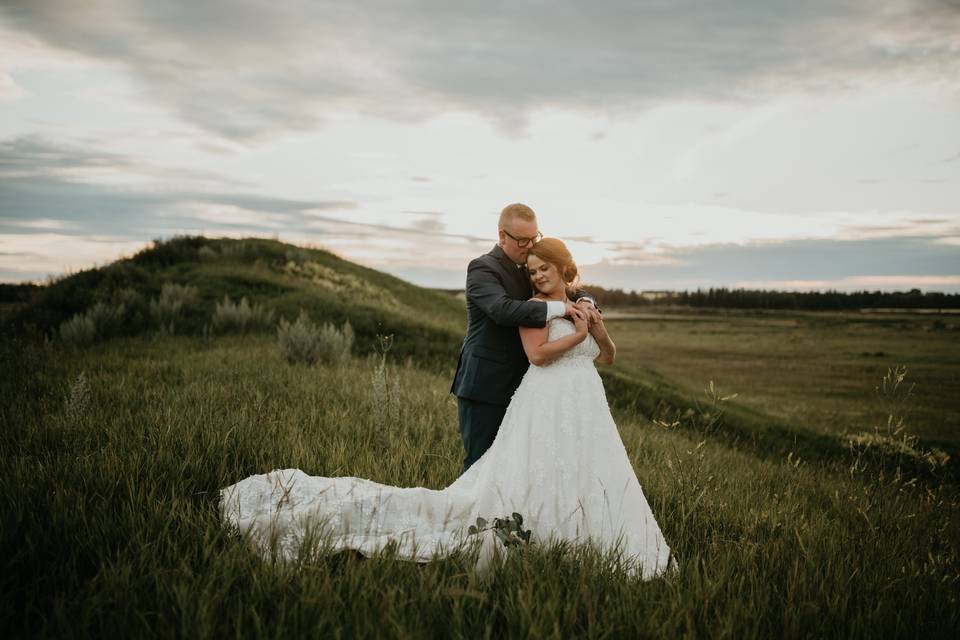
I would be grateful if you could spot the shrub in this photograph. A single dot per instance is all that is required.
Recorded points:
(175, 250)
(136, 310)
(299, 341)
(238, 249)
(297, 255)
(107, 318)
(240, 316)
(167, 308)
(99, 321)
(336, 344)
(128, 297)
(303, 341)
(78, 331)
(345, 285)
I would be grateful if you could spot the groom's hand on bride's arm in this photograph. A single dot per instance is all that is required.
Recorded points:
(584, 299)
(589, 308)
(570, 310)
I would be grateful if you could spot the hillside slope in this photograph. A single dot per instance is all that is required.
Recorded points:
(427, 325)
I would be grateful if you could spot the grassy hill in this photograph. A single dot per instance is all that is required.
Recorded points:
(112, 457)
(427, 325)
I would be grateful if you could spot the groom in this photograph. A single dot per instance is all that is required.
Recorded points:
(492, 361)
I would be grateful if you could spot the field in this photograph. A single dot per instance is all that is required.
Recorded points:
(817, 371)
(113, 453)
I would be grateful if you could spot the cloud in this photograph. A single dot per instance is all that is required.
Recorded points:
(950, 159)
(888, 264)
(100, 225)
(916, 261)
(59, 187)
(53, 253)
(247, 69)
(9, 89)
(28, 203)
(30, 156)
(52, 220)
(430, 225)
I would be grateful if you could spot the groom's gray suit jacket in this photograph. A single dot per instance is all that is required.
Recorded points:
(492, 361)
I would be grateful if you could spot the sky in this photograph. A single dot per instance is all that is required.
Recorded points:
(673, 144)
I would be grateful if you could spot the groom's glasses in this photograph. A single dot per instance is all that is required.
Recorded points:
(525, 242)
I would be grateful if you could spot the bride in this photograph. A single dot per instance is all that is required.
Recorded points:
(557, 459)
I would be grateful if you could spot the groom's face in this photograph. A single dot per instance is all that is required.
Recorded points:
(518, 228)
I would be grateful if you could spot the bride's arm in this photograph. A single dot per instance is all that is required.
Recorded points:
(540, 352)
(608, 350)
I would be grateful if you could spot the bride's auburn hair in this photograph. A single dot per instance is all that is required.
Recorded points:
(553, 250)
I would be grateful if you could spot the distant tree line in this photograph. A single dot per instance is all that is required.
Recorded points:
(722, 297)
(790, 300)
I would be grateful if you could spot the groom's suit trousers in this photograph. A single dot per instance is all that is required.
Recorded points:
(479, 423)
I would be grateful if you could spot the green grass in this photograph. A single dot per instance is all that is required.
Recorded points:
(816, 372)
(110, 521)
(282, 277)
(112, 456)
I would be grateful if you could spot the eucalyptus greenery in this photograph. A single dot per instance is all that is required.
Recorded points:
(509, 529)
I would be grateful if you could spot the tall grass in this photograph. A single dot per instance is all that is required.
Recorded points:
(891, 447)
(112, 459)
(384, 387)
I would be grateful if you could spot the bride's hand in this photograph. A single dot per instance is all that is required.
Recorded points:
(580, 321)
(598, 330)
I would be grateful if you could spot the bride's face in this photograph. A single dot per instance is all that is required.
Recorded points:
(544, 276)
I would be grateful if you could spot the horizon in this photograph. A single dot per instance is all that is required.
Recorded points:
(51, 279)
(754, 145)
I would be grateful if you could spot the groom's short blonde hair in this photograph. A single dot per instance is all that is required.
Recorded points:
(513, 211)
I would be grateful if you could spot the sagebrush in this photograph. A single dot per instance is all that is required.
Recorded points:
(230, 316)
(305, 342)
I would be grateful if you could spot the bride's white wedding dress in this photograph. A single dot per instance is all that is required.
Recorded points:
(557, 459)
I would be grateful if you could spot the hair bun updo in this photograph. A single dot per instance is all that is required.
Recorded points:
(554, 251)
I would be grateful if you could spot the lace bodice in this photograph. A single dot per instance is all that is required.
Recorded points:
(586, 351)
